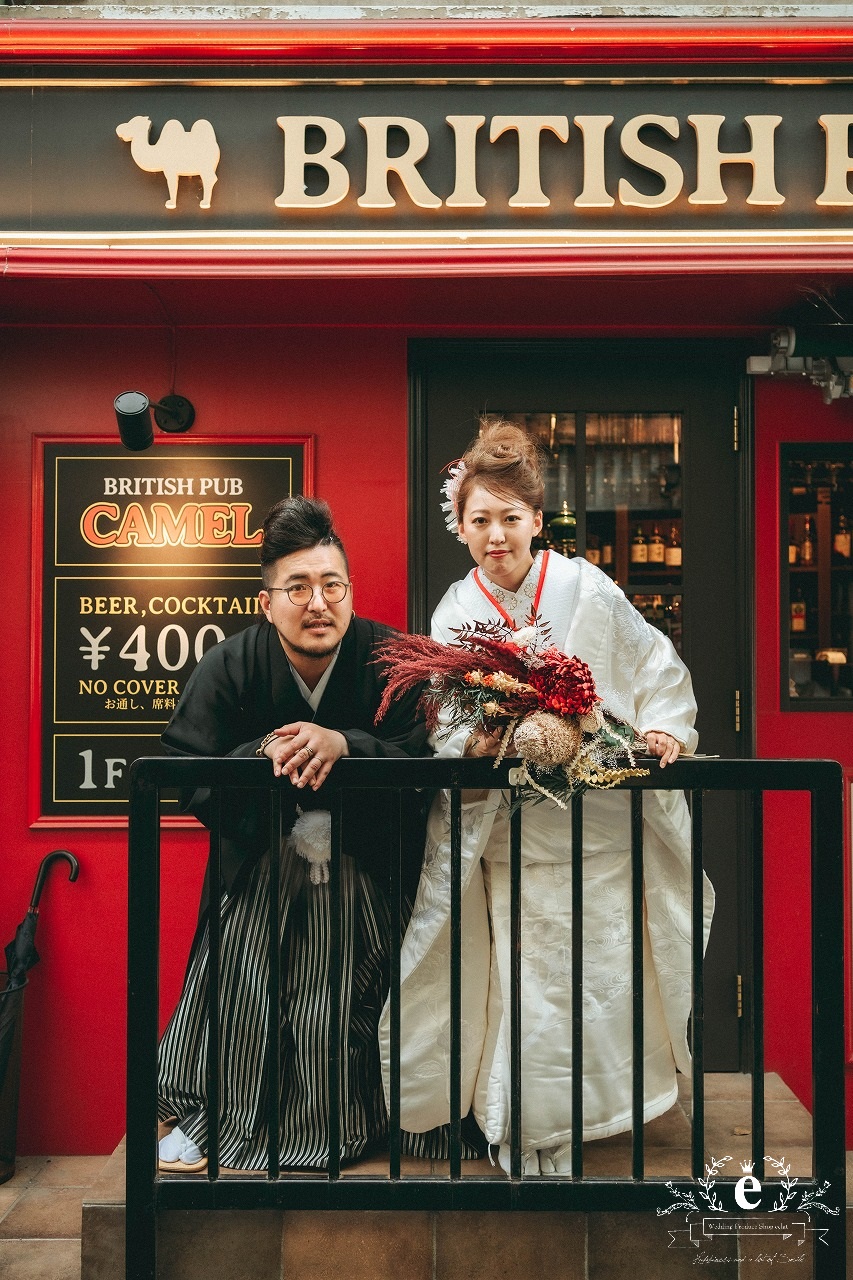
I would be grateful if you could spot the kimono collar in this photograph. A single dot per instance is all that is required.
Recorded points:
(289, 700)
(314, 696)
(497, 594)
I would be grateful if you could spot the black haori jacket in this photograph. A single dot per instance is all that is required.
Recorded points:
(243, 688)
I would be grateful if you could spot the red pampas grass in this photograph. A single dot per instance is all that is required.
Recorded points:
(484, 677)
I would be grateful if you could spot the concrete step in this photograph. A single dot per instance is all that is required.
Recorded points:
(421, 1245)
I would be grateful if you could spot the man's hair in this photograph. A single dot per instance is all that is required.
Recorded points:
(297, 524)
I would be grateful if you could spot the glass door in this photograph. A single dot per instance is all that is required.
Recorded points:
(613, 495)
(643, 480)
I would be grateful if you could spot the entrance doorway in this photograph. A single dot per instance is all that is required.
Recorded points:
(645, 478)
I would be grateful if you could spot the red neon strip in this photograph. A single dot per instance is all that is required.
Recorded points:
(582, 41)
(294, 264)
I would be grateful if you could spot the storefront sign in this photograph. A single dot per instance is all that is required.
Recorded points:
(147, 561)
(324, 161)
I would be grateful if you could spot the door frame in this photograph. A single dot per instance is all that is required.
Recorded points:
(423, 490)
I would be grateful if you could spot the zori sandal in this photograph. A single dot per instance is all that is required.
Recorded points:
(179, 1154)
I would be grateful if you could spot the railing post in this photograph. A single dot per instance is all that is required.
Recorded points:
(577, 986)
(396, 893)
(637, 985)
(143, 922)
(214, 934)
(827, 920)
(335, 932)
(273, 1065)
(697, 1015)
(455, 982)
(757, 1000)
(515, 1092)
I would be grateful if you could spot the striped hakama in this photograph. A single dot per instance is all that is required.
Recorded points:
(304, 1025)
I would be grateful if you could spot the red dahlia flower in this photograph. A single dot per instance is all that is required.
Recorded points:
(565, 685)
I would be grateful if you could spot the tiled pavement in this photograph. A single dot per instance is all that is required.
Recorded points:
(41, 1207)
(40, 1216)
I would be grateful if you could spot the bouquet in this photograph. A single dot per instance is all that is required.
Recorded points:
(542, 702)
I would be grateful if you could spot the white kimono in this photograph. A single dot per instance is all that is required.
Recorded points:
(641, 679)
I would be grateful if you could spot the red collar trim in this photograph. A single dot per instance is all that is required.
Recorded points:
(496, 603)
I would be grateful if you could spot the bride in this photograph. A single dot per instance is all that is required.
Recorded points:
(496, 495)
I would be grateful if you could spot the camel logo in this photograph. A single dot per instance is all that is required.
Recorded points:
(177, 153)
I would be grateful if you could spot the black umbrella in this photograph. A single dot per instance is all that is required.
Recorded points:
(21, 955)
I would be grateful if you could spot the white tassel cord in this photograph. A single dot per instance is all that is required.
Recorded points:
(311, 839)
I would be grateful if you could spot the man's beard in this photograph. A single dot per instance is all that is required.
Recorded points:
(315, 653)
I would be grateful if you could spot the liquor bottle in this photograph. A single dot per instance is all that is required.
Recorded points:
(808, 546)
(672, 551)
(841, 538)
(607, 553)
(639, 547)
(793, 546)
(562, 531)
(657, 550)
(593, 550)
(675, 626)
(798, 612)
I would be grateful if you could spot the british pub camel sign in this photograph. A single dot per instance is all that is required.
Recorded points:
(452, 161)
(194, 152)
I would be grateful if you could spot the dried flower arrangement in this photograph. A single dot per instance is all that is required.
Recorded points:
(516, 683)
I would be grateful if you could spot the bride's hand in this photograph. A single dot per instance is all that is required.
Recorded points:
(481, 743)
(664, 746)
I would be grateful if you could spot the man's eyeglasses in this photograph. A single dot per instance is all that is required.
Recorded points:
(302, 593)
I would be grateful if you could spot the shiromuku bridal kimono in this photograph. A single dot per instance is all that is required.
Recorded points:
(641, 679)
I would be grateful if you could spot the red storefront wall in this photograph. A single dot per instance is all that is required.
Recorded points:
(789, 410)
(346, 388)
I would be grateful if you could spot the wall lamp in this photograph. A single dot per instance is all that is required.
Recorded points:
(823, 353)
(133, 414)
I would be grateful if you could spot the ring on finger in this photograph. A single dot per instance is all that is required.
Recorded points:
(308, 752)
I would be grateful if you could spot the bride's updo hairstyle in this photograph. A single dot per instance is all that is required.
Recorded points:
(505, 460)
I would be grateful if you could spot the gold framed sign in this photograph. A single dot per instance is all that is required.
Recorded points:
(141, 563)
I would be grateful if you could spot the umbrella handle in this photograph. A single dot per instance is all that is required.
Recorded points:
(46, 863)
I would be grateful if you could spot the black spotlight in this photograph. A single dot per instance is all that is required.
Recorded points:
(133, 414)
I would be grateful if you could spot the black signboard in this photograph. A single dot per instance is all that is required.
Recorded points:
(145, 561)
(533, 154)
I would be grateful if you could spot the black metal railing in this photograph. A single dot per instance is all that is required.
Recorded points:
(147, 1192)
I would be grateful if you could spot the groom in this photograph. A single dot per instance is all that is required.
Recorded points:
(302, 688)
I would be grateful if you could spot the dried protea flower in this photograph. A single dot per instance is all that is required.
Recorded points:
(548, 740)
(593, 720)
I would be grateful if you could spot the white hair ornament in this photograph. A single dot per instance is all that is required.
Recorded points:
(450, 489)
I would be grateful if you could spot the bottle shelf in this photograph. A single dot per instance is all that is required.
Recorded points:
(635, 588)
(817, 511)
